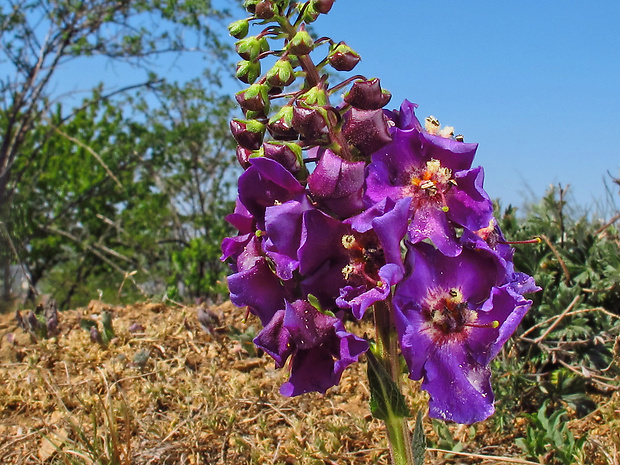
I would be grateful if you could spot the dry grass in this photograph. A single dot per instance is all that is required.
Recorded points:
(199, 398)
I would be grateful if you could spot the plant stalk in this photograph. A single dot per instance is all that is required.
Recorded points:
(399, 436)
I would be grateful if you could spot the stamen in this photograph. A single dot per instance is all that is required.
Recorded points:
(494, 324)
(348, 241)
(348, 270)
(431, 124)
(536, 240)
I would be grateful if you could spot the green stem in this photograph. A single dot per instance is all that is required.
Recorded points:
(399, 436)
(313, 79)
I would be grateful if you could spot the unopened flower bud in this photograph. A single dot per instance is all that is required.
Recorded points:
(301, 43)
(248, 133)
(281, 74)
(343, 57)
(315, 96)
(310, 122)
(310, 14)
(366, 130)
(248, 71)
(323, 6)
(265, 9)
(254, 98)
(287, 154)
(244, 155)
(367, 95)
(250, 5)
(250, 47)
(280, 125)
(239, 29)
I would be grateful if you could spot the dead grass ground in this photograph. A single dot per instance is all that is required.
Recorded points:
(171, 393)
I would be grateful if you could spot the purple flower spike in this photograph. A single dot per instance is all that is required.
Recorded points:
(338, 184)
(453, 315)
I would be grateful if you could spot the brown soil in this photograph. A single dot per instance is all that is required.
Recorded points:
(173, 393)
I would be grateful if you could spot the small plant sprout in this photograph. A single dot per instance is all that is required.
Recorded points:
(348, 211)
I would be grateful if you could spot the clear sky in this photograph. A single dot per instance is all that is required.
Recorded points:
(535, 82)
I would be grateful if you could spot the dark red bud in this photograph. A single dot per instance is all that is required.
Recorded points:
(366, 130)
(283, 153)
(248, 133)
(280, 129)
(310, 122)
(367, 95)
(254, 98)
(301, 43)
(265, 9)
(243, 156)
(343, 58)
(323, 6)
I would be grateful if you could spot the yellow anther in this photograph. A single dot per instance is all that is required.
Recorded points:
(348, 241)
(348, 271)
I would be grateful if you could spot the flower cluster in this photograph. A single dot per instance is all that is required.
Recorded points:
(351, 205)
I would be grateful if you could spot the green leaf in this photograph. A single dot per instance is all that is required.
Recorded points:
(419, 441)
(387, 402)
(108, 330)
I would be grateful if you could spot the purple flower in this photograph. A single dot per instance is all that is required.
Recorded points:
(283, 232)
(386, 223)
(267, 183)
(255, 285)
(453, 314)
(318, 343)
(435, 172)
(337, 184)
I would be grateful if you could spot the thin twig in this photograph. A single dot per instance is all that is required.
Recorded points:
(90, 150)
(557, 321)
(576, 312)
(559, 257)
(608, 224)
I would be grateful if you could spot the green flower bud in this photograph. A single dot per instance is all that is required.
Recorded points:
(248, 71)
(301, 43)
(239, 29)
(310, 14)
(281, 75)
(254, 98)
(314, 97)
(249, 48)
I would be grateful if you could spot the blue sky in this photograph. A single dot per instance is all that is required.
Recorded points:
(535, 83)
